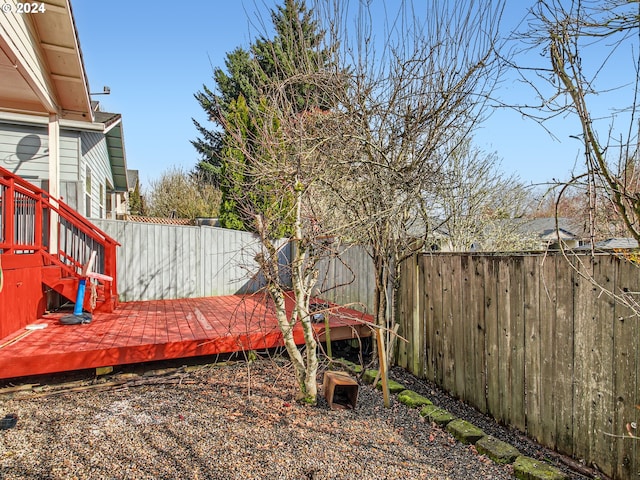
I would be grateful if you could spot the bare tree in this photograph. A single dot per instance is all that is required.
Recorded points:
(273, 160)
(183, 195)
(583, 41)
(477, 207)
(362, 164)
(281, 167)
(414, 82)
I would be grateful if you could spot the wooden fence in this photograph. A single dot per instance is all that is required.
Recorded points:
(174, 261)
(526, 339)
(348, 278)
(159, 261)
(533, 343)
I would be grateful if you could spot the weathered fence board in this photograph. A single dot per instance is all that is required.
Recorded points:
(565, 354)
(478, 329)
(466, 333)
(517, 324)
(456, 327)
(556, 356)
(492, 336)
(626, 377)
(436, 319)
(504, 342)
(428, 307)
(602, 375)
(584, 333)
(545, 431)
(532, 361)
(404, 296)
(418, 320)
(450, 311)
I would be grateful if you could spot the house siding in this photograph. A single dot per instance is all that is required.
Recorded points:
(69, 149)
(95, 156)
(24, 150)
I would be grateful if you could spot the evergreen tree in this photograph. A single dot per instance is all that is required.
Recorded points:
(289, 55)
(136, 201)
(240, 81)
(232, 171)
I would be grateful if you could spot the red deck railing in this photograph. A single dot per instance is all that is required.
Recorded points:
(26, 214)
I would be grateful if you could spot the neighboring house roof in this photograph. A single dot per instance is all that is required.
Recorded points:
(546, 229)
(617, 243)
(115, 146)
(41, 63)
(133, 177)
(532, 231)
(107, 118)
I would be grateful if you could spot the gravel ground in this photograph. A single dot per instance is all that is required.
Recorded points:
(525, 445)
(234, 421)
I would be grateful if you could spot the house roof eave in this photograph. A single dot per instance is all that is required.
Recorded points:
(42, 64)
(117, 156)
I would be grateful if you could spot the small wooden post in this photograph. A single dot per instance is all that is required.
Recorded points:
(327, 334)
(382, 358)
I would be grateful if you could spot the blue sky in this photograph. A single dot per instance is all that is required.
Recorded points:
(155, 55)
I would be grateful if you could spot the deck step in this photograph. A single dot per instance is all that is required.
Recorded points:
(65, 286)
(52, 277)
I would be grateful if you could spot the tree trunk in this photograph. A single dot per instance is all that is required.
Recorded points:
(303, 282)
(277, 295)
(303, 279)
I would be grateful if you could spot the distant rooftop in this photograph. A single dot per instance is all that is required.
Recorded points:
(617, 243)
(133, 176)
(545, 228)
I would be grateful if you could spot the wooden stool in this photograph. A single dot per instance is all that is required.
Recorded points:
(340, 390)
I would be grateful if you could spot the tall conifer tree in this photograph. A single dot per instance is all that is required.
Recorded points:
(290, 54)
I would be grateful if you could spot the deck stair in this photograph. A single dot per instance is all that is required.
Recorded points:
(43, 237)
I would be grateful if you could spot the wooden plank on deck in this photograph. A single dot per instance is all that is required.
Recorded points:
(131, 334)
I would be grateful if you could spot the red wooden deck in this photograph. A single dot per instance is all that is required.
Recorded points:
(159, 330)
